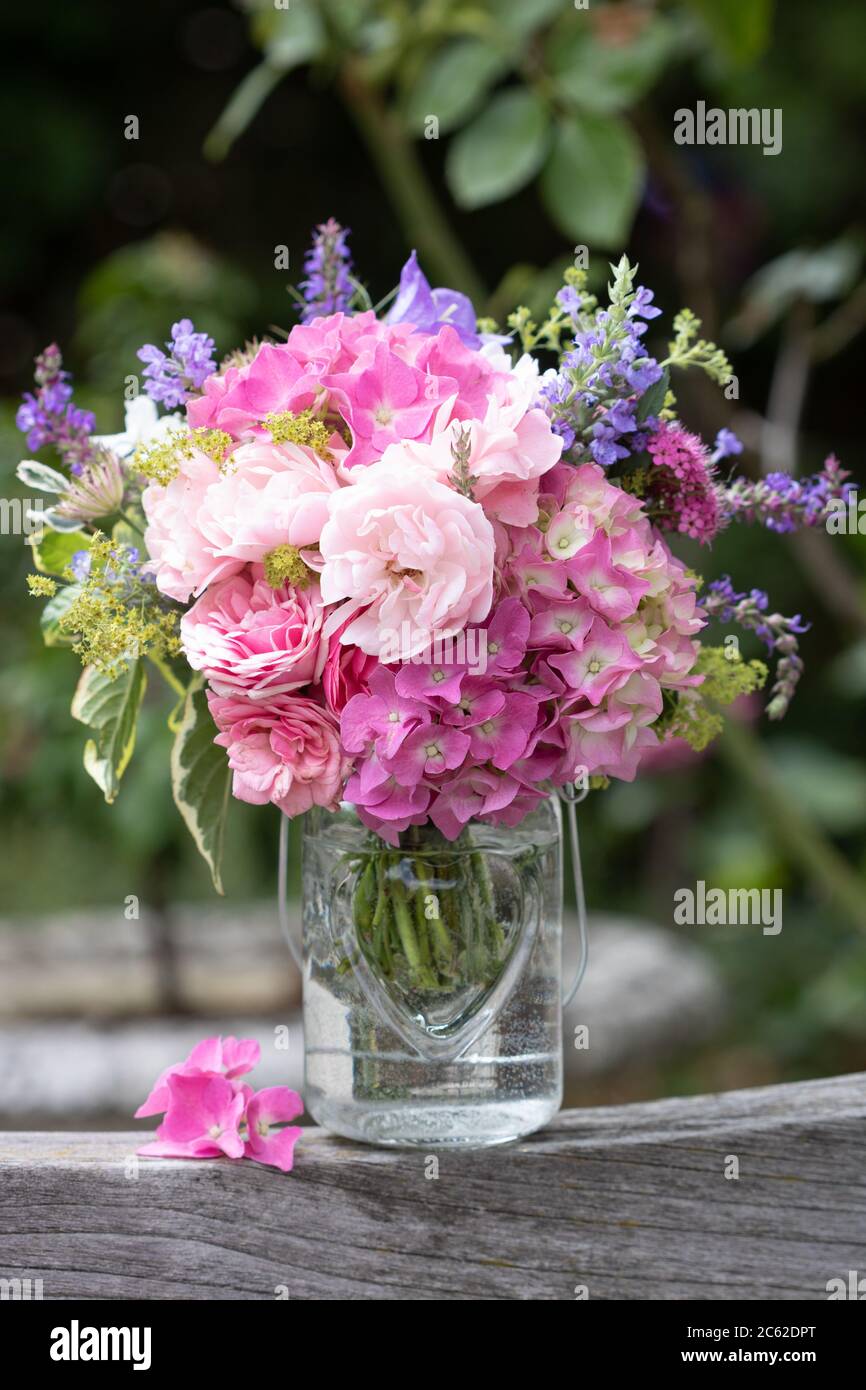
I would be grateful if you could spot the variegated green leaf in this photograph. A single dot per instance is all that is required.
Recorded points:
(110, 709)
(201, 780)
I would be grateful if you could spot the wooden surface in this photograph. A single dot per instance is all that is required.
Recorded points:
(629, 1202)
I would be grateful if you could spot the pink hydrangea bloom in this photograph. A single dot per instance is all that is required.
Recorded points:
(211, 1113)
(385, 401)
(275, 1105)
(407, 558)
(249, 638)
(285, 750)
(203, 1118)
(229, 1057)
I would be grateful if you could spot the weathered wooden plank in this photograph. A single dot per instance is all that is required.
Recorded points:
(631, 1202)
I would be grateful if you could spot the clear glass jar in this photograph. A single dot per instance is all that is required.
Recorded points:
(432, 980)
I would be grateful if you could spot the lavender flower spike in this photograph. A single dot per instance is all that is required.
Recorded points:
(779, 634)
(50, 418)
(169, 377)
(328, 287)
(782, 503)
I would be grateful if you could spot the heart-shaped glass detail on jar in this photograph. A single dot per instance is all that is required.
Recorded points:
(437, 939)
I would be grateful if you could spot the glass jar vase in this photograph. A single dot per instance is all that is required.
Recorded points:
(432, 980)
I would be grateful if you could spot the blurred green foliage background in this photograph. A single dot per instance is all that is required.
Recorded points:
(553, 126)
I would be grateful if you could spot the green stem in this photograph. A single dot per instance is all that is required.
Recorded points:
(420, 973)
(363, 902)
(382, 926)
(408, 187)
(442, 942)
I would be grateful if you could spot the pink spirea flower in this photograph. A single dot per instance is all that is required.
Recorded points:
(285, 750)
(407, 558)
(683, 483)
(247, 637)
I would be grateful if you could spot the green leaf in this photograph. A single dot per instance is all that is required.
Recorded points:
(653, 398)
(742, 30)
(49, 619)
(821, 275)
(110, 709)
(53, 552)
(522, 17)
(500, 151)
(40, 476)
(201, 780)
(290, 36)
(592, 182)
(605, 77)
(453, 83)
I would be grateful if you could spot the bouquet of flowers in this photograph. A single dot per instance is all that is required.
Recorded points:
(405, 560)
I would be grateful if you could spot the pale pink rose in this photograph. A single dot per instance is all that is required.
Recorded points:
(346, 672)
(510, 450)
(207, 523)
(247, 637)
(274, 494)
(286, 751)
(182, 559)
(414, 554)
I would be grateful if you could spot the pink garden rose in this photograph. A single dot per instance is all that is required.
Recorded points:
(249, 638)
(510, 449)
(286, 751)
(207, 524)
(346, 672)
(272, 494)
(182, 559)
(413, 554)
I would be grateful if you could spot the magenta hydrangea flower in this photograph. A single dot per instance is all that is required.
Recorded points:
(211, 1113)
(228, 1057)
(203, 1118)
(273, 1106)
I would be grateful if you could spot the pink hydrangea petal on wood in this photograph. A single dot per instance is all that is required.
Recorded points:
(274, 1105)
